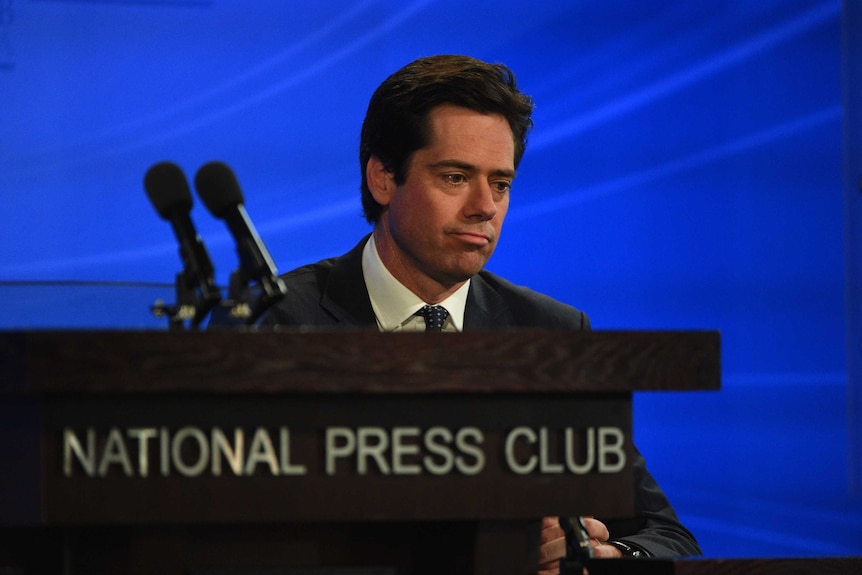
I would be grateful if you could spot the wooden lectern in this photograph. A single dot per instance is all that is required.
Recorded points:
(311, 453)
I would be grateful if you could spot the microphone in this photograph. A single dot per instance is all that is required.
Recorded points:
(168, 190)
(219, 190)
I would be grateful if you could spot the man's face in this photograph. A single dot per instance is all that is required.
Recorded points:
(443, 223)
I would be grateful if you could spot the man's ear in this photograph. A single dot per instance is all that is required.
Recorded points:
(381, 182)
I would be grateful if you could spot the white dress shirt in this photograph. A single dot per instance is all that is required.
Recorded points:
(394, 305)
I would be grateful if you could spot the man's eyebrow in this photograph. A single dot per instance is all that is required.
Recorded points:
(469, 168)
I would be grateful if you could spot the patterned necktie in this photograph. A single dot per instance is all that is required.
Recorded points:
(435, 316)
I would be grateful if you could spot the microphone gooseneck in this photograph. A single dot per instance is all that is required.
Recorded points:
(168, 190)
(220, 192)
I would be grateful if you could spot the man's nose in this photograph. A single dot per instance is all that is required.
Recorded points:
(482, 202)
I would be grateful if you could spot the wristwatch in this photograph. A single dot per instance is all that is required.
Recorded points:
(627, 550)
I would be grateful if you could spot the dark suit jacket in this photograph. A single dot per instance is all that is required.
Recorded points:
(332, 293)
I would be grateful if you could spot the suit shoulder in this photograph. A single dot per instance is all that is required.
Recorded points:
(308, 280)
(305, 286)
(530, 308)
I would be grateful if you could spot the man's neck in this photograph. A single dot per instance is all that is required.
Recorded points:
(428, 289)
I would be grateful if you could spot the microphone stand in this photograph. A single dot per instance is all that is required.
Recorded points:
(247, 304)
(195, 297)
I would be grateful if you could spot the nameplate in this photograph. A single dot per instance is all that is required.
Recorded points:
(191, 458)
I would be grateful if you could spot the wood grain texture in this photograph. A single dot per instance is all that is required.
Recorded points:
(362, 362)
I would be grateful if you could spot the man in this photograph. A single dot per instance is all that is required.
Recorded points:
(440, 144)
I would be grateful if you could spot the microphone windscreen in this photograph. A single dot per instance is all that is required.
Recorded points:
(168, 189)
(218, 188)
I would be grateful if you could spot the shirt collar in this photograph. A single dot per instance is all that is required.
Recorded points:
(393, 303)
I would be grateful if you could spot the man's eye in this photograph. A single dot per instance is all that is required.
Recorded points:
(502, 187)
(455, 178)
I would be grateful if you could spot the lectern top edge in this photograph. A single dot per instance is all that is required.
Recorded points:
(518, 361)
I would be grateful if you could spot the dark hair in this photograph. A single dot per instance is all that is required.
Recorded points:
(396, 123)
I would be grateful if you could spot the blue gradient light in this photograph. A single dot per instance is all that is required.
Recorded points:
(685, 172)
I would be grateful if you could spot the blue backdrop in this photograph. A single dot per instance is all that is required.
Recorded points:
(685, 173)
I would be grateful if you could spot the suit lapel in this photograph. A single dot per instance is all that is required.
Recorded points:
(485, 307)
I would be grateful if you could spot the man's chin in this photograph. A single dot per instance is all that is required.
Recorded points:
(463, 272)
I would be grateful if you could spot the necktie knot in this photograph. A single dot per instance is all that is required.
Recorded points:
(435, 316)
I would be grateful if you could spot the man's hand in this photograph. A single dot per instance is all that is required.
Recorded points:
(553, 543)
(553, 546)
(599, 536)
